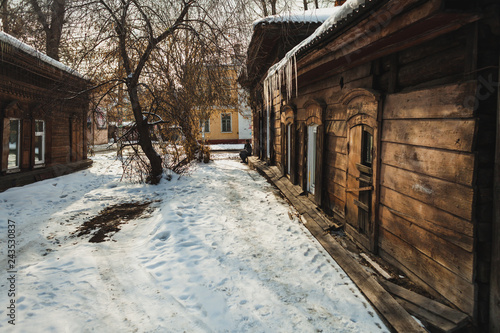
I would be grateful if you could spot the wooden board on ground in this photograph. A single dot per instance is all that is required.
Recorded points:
(436, 314)
(387, 306)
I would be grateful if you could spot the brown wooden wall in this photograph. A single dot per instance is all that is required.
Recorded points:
(426, 192)
(428, 158)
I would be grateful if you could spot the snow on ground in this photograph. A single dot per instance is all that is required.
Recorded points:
(236, 146)
(219, 253)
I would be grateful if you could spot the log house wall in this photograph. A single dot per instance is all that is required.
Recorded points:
(31, 90)
(437, 116)
(428, 153)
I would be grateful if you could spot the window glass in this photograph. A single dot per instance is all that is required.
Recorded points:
(14, 142)
(226, 122)
(39, 141)
(367, 150)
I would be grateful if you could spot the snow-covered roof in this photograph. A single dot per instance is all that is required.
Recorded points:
(308, 16)
(282, 71)
(6, 38)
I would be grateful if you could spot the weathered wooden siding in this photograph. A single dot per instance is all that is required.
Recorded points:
(60, 139)
(427, 174)
(427, 195)
(330, 90)
(435, 124)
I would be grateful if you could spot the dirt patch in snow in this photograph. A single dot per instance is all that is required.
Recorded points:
(110, 219)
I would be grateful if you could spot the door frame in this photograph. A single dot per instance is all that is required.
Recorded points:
(312, 132)
(288, 156)
(363, 108)
(314, 112)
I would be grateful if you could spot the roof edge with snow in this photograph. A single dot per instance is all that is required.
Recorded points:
(284, 70)
(16, 43)
(309, 16)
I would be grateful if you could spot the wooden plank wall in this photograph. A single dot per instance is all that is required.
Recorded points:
(427, 180)
(429, 158)
(276, 129)
(427, 194)
(60, 139)
(330, 90)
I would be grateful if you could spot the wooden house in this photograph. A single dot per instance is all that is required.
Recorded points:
(386, 116)
(43, 113)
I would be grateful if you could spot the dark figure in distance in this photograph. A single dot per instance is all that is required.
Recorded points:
(247, 151)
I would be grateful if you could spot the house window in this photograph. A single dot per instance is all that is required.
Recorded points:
(205, 126)
(39, 142)
(312, 133)
(14, 143)
(367, 148)
(226, 122)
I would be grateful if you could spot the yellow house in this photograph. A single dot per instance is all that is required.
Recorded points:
(229, 124)
(222, 127)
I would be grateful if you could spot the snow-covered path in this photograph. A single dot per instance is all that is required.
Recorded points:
(221, 252)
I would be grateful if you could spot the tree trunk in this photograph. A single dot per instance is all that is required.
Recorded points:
(144, 138)
(5, 16)
(264, 7)
(273, 7)
(305, 4)
(53, 29)
(52, 44)
(54, 32)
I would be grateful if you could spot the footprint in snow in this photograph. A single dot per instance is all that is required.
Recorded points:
(164, 235)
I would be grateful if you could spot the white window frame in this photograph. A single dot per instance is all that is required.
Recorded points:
(17, 166)
(230, 122)
(42, 135)
(312, 132)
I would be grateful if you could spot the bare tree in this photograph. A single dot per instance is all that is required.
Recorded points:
(133, 58)
(169, 56)
(269, 7)
(52, 20)
(10, 17)
(4, 7)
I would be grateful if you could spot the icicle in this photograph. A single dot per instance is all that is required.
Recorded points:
(296, 77)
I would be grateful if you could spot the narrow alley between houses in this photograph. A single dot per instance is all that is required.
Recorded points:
(216, 250)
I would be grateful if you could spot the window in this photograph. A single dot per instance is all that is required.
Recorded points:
(226, 122)
(14, 143)
(367, 148)
(312, 132)
(205, 126)
(39, 142)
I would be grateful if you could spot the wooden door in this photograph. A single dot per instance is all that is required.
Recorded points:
(360, 179)
(361, 205)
